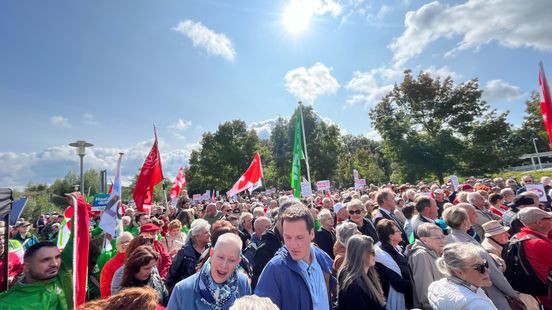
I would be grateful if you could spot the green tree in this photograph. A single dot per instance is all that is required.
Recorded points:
(223, 157)
(430, 127)
(364, 155)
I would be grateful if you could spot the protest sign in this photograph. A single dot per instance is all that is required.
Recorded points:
(455, 182)
(360, 183)
(323, 185)
(196, 197)
(537, 189)
(100, 201)
(306, 189)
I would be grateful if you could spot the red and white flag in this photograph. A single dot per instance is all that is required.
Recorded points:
(179, 184)
(546, 104)
(213, 198)
(150, 175)
(252, 175)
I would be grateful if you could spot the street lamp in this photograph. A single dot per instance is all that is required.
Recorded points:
(537, 153)
(81, 146)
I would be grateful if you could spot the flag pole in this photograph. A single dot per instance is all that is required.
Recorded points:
(304, 141)
(164, 185)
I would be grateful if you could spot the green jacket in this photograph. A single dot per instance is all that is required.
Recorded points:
(52, 295)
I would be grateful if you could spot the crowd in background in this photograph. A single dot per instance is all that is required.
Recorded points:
(485, 245)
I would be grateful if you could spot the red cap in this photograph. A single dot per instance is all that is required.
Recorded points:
(149, 227)
(465, 187)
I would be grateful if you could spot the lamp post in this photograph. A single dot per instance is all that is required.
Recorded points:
(537, 152)
(81, 146)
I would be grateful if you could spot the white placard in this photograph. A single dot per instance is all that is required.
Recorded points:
(306, 189)
(537, 189)
(360, 183)
(323, 185)
(455, 182)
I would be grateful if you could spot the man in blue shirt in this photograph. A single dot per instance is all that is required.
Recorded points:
(299, 275)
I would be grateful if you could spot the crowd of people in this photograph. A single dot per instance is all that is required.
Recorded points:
(485, 245)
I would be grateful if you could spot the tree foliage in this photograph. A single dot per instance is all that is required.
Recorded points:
(432, 127)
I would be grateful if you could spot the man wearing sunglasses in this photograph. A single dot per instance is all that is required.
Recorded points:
(538, 250)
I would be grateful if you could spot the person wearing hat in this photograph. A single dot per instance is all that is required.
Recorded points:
(341, 213)
(538, 249)
(164, 262)
(23, 235)
(510, 217)
(496, 236)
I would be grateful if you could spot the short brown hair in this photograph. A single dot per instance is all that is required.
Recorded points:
(299, 213)
(422, 202)
(382, 195)
(385, 229)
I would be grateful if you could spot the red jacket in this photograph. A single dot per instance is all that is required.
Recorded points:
(538, 253)
(164, 262)
(107, 273)
(14, 267)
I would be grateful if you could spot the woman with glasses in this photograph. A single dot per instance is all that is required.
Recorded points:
(357, 213)
(458, 220)
(422, 256)
(358, 280)
(392, 267)
(466, 272)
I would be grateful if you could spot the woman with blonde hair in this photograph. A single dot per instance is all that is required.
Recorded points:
(175, 238)
(358, 282)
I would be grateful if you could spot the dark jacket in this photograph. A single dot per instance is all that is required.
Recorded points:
(368, 229)
(402, 284)
(156, 283)
(271, 241)
(354, 297)
(183, 265)
(382, 215)
(285, 284)
(325, 240)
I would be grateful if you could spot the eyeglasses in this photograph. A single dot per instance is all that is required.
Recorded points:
(236, 211)
(481, 268)
(351, 212)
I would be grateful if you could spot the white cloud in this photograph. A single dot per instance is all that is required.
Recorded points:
(59, 121)
(263, 128)
(89, 119)
(17, 169)
(181, 124)
(327, 6)
(511, 23)
(214, 43)
(496, 90)
(309, 84)
(371, 86)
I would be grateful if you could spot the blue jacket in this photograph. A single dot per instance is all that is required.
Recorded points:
(185, 295)
(283, 282)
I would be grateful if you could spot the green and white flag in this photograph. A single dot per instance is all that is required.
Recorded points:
(297, 156)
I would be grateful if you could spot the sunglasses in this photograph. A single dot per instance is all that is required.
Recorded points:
(481, 268)
(351, 212)
(236, 211)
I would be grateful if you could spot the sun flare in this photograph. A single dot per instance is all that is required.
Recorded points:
(297, 16)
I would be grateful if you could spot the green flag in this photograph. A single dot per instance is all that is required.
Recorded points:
(297, 156)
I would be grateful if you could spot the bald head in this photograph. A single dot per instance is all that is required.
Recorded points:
(229, 241)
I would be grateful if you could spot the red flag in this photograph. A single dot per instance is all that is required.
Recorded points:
(546, 104)
(150, 175)
(179, 183)
(213, 198)
(252, 175)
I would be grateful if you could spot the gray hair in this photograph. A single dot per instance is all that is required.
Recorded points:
(462, 196)
(473, 196)
(458, 255)
(531, 215)
(426, 229)
(356, 203)
(364, 198)
(253, 302)
(198, 226)
(243, 216)
(124, 234)
(344, 231)
(455, 216)
(506, 191)
(324, 214)
(259, 221)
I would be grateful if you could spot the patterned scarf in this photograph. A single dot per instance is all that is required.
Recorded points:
(217, 295)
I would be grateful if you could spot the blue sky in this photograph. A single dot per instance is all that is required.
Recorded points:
(105, 71)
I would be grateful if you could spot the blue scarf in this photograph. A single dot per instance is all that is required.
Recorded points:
(217, 295)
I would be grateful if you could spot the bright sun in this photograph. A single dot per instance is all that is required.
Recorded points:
(297, 16)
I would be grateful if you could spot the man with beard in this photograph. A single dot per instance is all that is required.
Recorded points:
(46, 283)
